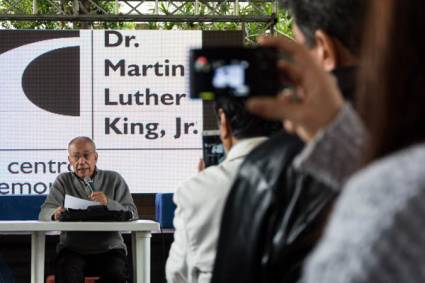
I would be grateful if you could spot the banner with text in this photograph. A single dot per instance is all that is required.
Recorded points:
(127, 90)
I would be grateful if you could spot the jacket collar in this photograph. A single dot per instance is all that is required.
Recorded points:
(243, 147)
(347, 81)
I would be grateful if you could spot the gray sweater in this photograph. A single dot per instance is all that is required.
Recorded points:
(119, 198)
(375, 233)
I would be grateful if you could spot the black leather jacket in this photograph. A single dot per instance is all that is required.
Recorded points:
(272, 218)
(274, 215)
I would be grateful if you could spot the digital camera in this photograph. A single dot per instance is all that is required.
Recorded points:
(235, 71)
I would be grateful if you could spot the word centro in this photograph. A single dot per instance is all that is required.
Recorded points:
(36, 167)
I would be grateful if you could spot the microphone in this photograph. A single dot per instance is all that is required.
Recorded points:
(89, 184)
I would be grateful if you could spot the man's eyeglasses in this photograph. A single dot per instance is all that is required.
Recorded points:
(85, 155)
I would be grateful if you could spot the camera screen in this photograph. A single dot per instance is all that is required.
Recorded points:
(213, 149)
(239, 72)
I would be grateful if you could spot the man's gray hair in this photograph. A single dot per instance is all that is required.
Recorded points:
(84, 138)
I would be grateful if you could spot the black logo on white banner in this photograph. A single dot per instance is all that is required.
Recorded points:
(52, 81)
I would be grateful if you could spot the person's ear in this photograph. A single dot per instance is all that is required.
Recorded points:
(96, 155)
(224, 125)
(225, 131)
(326, 50)
(69, 160)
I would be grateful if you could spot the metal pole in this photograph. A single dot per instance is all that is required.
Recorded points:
(275, 10)
(156, 7)
(196, 7)
(76, 8)
(138, 18)
(34, 7)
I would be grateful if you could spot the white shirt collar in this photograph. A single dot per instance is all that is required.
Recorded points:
(243, 147)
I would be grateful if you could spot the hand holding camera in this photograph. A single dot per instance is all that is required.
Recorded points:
(234, 71)
(296, 90)
(319, 97)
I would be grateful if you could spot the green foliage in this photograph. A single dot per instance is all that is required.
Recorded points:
(24, 7)
(49, 7)
(251, 30)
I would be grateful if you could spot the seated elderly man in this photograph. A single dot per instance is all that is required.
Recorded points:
(102, 253)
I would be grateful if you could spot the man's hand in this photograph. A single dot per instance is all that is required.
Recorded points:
(201, 165)
(58, 213)
(312, 103)
(99, 197)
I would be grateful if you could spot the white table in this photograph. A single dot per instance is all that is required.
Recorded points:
(140, 238)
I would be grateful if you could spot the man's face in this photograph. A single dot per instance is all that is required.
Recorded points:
(300, 38)
(83, 158)
(298, 35)
(327, 51)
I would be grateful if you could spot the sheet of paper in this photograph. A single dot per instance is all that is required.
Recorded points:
(78, 203)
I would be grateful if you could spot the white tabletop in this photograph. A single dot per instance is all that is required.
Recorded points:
(34, 225)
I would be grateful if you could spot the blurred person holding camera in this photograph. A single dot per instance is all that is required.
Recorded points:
(375, 233)
(274, 214)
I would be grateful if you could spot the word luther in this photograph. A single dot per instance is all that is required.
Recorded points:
(140, 98)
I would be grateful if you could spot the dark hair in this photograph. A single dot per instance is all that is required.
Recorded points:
(340, 19)
(243, 123)
(84, 138)
(391, 84)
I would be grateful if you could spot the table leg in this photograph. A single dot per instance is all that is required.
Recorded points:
(37, 256)
(141, 245)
